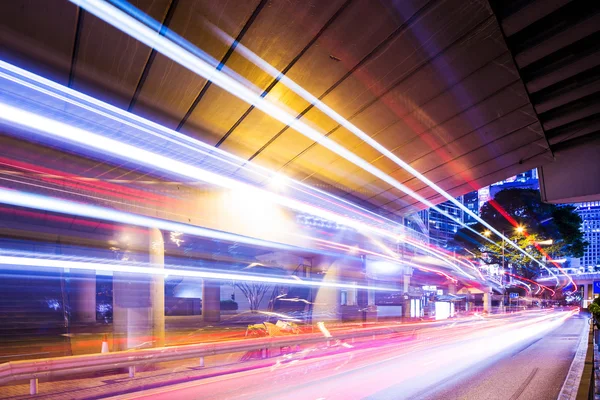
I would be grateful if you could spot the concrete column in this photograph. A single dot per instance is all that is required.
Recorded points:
(452, 288)
(139, 304)
(211, 300)
(157, 287)
(487, 300)
(585, 294)
(370, 293)
(351, 299)
(406, 302)
(327, 300)
(406, 283)
(82, 296)
(131, 311)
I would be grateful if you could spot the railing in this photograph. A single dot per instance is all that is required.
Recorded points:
(33, 370)
(587, 385)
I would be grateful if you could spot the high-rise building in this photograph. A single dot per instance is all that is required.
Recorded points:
(471, 201)
(441, 228)
(526, 180)
(590, 214)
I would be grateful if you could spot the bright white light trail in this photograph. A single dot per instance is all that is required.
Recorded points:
(45, 203)
(148, 36)
(153, 39)
(107, 145)
(123, 117)
(148, 269)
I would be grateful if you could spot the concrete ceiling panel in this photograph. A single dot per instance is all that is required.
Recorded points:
(109, 63)
(39, 36)
(170, 88)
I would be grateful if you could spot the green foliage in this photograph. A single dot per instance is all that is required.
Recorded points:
(594, 309)
(542, 221)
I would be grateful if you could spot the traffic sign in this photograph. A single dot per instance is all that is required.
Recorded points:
(596, 287)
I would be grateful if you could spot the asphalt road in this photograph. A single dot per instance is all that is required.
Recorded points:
(520, 357)
(534, 371)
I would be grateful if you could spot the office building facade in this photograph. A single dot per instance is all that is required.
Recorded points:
(590, 214)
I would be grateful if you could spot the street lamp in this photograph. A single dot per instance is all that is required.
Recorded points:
(487, 233)
(520, 229)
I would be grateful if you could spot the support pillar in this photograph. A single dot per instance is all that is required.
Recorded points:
(452, 288)
(139, 303)
(83, 296)
(585, 295)
(487, 301)
(327, 300)
(157, 287)
(406, 299)
(211, 300)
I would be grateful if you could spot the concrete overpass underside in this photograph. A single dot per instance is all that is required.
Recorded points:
(433, 81)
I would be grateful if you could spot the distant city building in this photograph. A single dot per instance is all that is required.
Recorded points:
(483, 196)
(590, 214)
(526, 180)
(471, 201)
(441, 228)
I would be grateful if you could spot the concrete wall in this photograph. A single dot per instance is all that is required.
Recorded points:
(573, 176)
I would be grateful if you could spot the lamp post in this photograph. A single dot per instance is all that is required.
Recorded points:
(519, 229)
(487, 233)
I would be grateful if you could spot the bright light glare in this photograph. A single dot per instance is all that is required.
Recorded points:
(385, 267)
(278, 181)
(38, 202)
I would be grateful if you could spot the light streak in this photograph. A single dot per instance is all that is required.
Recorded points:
(340, 246)
(323, 329)
(138, 30)
(274, 72)
(147, 269)
(90, 139)
(38, 202)
(106, 110)
(441, 258)
(522, 278)
(201, 67)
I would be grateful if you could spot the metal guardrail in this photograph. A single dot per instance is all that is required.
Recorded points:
(33, 370)
(587, 384)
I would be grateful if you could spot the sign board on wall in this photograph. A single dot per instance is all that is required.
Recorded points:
(596, 287)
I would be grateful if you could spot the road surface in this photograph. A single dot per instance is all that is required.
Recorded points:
(521, 357)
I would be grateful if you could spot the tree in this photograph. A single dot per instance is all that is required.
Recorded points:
(255, 291)
(540, 222)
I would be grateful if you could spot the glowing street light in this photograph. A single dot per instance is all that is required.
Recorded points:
(487, 233)
(520, 229)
